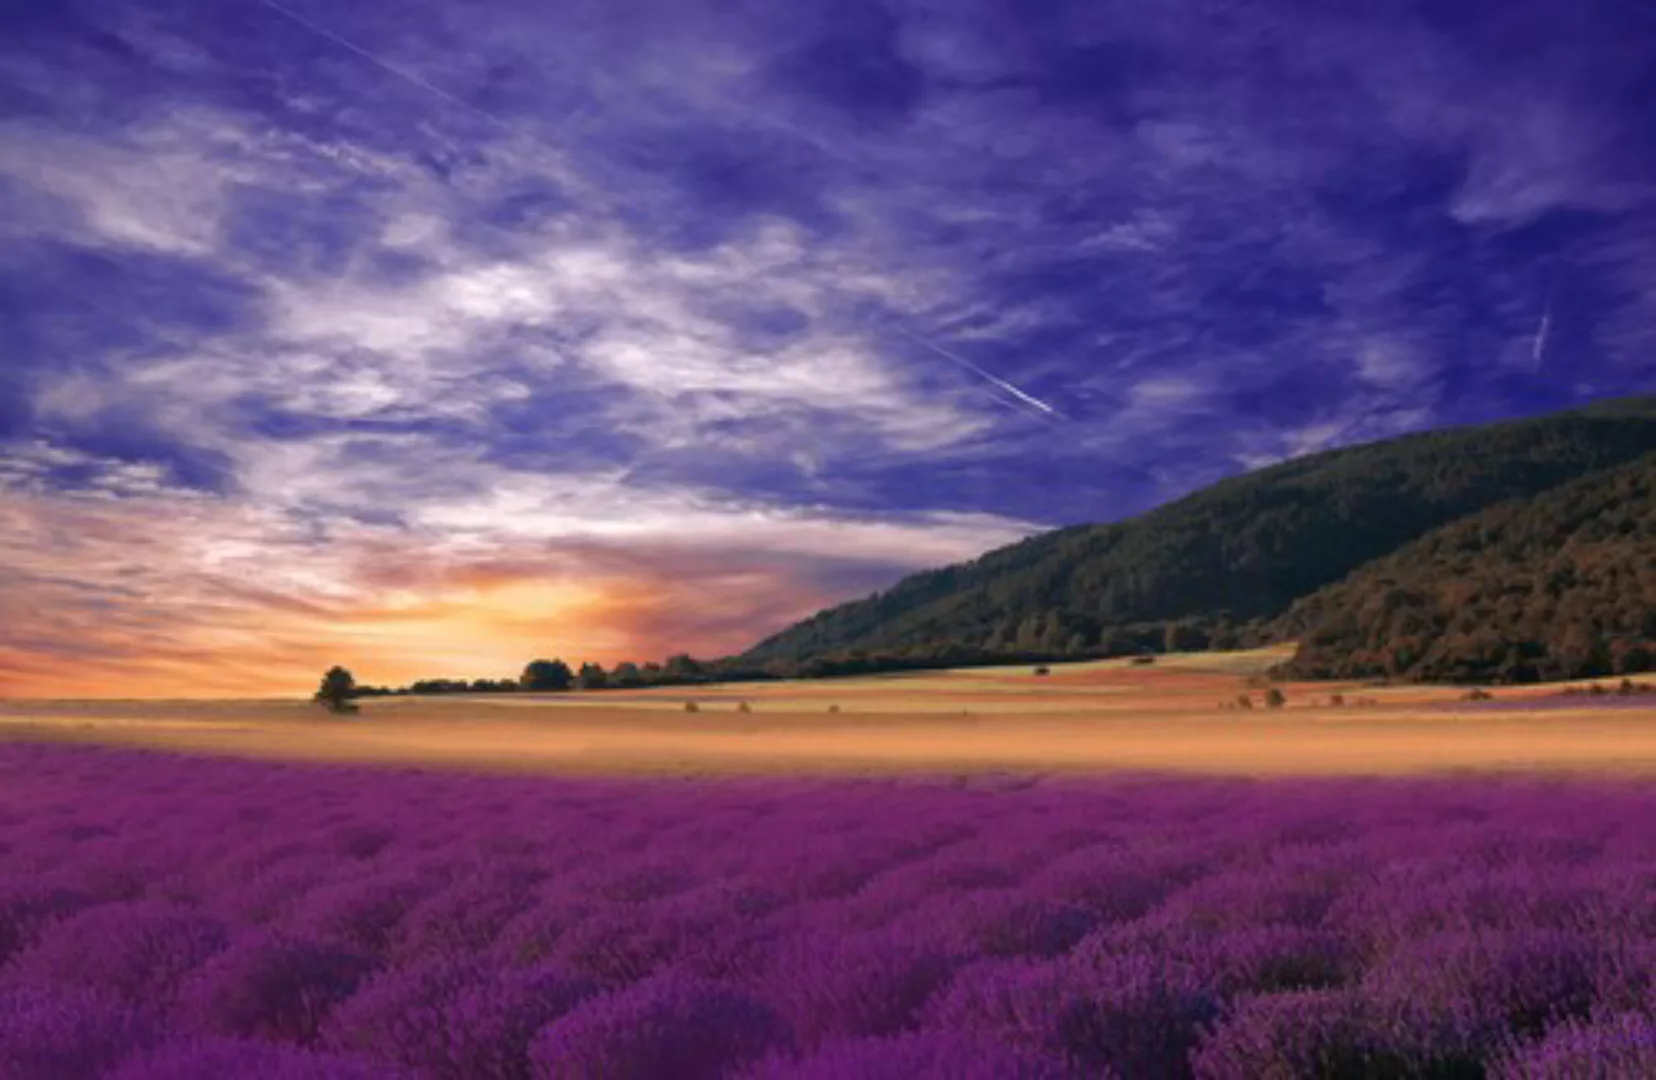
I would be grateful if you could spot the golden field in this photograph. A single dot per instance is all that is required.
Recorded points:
(1101, 716)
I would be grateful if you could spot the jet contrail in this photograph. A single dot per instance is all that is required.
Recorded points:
(1026, 398)
(406, 76)
(1540, 348)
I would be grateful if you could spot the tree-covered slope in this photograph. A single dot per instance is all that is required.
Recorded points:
(1217, 565)
(1559, 586)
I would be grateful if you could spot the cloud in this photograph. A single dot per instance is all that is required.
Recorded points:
(620, 286)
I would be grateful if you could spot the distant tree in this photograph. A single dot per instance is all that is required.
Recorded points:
(626, 675)
(592, 677)
(544, 675)
(1274, 698)
(683, 666)
(336, 691)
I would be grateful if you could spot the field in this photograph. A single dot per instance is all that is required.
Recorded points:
(1059, 884)
(1087, 717)
(172, 916)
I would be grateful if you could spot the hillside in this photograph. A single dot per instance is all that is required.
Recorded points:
(1560, 586)
(1215, 567)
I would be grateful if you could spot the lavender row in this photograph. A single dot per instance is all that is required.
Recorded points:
(168, 916)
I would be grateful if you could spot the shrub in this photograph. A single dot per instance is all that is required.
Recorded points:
(669, 1025)
(455, 1018)
(272, 987)
(691, 706)
(1323, 1033)
(1274, 698)
(1478, 694)
(742, 706)
(1130, 1014)
(929, 1055)
(1623, 1045)
(851, 984)
(243, 1059)
(1144, 660)
(1043, 670)
(69, 1033)
(1244, 701)
(26, 908)
(140, 952)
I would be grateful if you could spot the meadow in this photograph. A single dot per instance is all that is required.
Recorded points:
(1178, 715)
(166, 915)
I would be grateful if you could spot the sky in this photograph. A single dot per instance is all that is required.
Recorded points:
(433, 337)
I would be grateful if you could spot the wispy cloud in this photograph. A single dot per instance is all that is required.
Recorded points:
(504, 290)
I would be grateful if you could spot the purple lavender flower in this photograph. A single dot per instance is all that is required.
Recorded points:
(244, 1059)
(459, 1018)
(667, 1026)
(67, 1033)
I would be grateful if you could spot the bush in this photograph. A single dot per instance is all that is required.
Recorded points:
(743, 706)
(71, 1033)
(669, 1025)
(139, 952)
(930, 1055)
(1478, 695)
(691, 706)
(1321, 1033)
(1244, 701)
(272, 987)
(849, 984)
(1274, 698)
(1144, 660)
(1043, 670)
(1623, 1045)
(244, 1059)
(456, 1019)
(1130, 1014)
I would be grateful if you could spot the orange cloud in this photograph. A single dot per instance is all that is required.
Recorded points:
(180, 597)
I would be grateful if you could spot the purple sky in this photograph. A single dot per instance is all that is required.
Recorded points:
(320, 322)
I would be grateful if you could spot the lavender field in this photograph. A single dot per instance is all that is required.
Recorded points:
(165, 917)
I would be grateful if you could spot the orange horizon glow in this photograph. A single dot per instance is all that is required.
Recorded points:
(478, 630)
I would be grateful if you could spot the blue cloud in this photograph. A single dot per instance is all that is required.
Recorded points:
(691, 255)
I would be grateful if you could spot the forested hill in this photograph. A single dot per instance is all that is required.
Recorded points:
(1216, 567)
(1560, 586)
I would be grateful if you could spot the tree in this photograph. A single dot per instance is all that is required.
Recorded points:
(336, 690)
(546, 675)
(592, 677)
(683, 666)
(626, 675)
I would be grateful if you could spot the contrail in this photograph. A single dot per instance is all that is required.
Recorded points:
(1540, 348)
(1026, 398)
(406, 76)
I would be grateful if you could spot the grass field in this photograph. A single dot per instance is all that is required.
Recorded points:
(1108, 715)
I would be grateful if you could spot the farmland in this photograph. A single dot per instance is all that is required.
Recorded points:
(1098, 872)
(166, 915)
(1176, 715)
